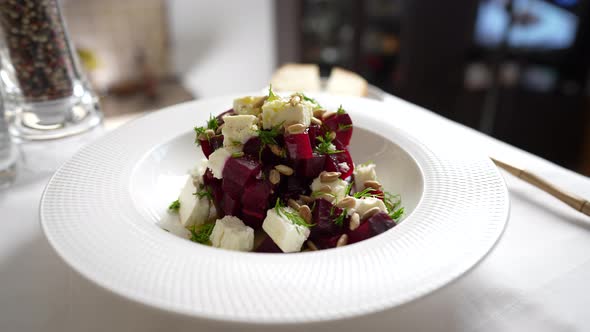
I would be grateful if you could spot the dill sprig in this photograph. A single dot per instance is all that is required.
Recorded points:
(340, 110)
(392, 203)
(367, 192)
(342, 127)
(311, 100)
(174, 206)
(212, 124)
(294, 217)
(271, 94)
(325, 145)
(340, 219)
(202, 234)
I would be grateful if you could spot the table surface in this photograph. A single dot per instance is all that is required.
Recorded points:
(535, 279)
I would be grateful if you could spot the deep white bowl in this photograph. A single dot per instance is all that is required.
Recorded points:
(101, 208)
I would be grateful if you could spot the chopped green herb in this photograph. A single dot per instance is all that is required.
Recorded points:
(364, 193)
(348, 188)
(342, 127)
(174, 206)
(212, 124)
(202, 234)
(271, 94)
(392, 203)
(325, 146)
(267, 137)
(204, 192)
(340, 219)
(238, 154)
(340, 110)
(311, 100)
(367, 163)
(316, 194)
(294, 217)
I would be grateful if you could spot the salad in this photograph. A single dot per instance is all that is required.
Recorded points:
(278, 177)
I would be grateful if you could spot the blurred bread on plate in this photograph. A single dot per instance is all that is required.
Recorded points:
(306, 78)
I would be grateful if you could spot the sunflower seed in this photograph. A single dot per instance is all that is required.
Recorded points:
(311, 246)
(274, 177)
(329, 176)
(209, 133)
(342, 241)
(327, 115)
(355, 221)
(293, 204)
(305, 213)
(276, 150)
(372, 184)
(370, 212)
(284, 169)
(297, 128)
(319, 113)
(346, 203)
(306, 199)
(316, 121)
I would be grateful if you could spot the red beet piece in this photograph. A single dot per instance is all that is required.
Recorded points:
(334, 163)
(231, 188)
(292, 187)
(324, 215)
(252, 147)
(212, 144)
(341, 124)
(214, 186)
(253, 219)
(240, 170)
(327, 242)
(256, 195)
(312, 167)
(220, 116)
(377, 224)
(298, 146)
(268, 246)
(231, 206)
(314, 131)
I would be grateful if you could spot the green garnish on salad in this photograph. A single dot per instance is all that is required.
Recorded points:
(201, 234)
(325, 145)
(294, 217)
(174, 206)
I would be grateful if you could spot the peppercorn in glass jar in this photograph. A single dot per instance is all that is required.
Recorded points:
(45, 92)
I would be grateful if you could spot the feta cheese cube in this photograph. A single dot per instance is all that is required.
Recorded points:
(230, 233)
(287, 235)
(193, 210)
(217, 161)
(337, 187)
(362, 173)
(238, 129)
(198, 171)
(281, 110)
(364, 204)
(248, 105)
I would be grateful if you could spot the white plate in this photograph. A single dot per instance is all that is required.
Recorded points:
(100, 211)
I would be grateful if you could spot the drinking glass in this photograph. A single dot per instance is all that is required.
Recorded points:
(45, 93)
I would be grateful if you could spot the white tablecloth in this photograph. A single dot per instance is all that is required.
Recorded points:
(535, 279)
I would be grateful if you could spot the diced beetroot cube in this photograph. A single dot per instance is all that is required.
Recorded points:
(298, 146)
(220, 116)
(212, 144)
(268, 246)
(240, 170)
(252, 147)
(231, 188)
(341, 124)
(324, 216)
(376, 224)
(256, 195)
(340, 162)
(314, 131)
(327, 242)
(312, 167)
(293, 186)
(231, 206)
(253, 219)
(380, 222)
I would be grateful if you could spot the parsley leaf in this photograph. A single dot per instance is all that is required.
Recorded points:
(325, 145)
(202, 234)
(174, 206)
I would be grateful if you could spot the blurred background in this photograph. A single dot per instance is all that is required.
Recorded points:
(516, 70)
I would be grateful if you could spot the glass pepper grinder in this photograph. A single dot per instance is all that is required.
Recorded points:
(45, 92)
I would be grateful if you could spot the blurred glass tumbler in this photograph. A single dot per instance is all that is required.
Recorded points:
(8, 154)
(45, 93)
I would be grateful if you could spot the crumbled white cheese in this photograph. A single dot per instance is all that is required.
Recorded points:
(364, 204)
(337, 187)
(217, 161)
(362, 173)
(343, 165)
(193, 210)
(248, 105)
(230, 233)
(287, 235)
(281, 110)
(238, 129)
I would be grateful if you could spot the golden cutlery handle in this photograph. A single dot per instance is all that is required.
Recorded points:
(572, 200)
